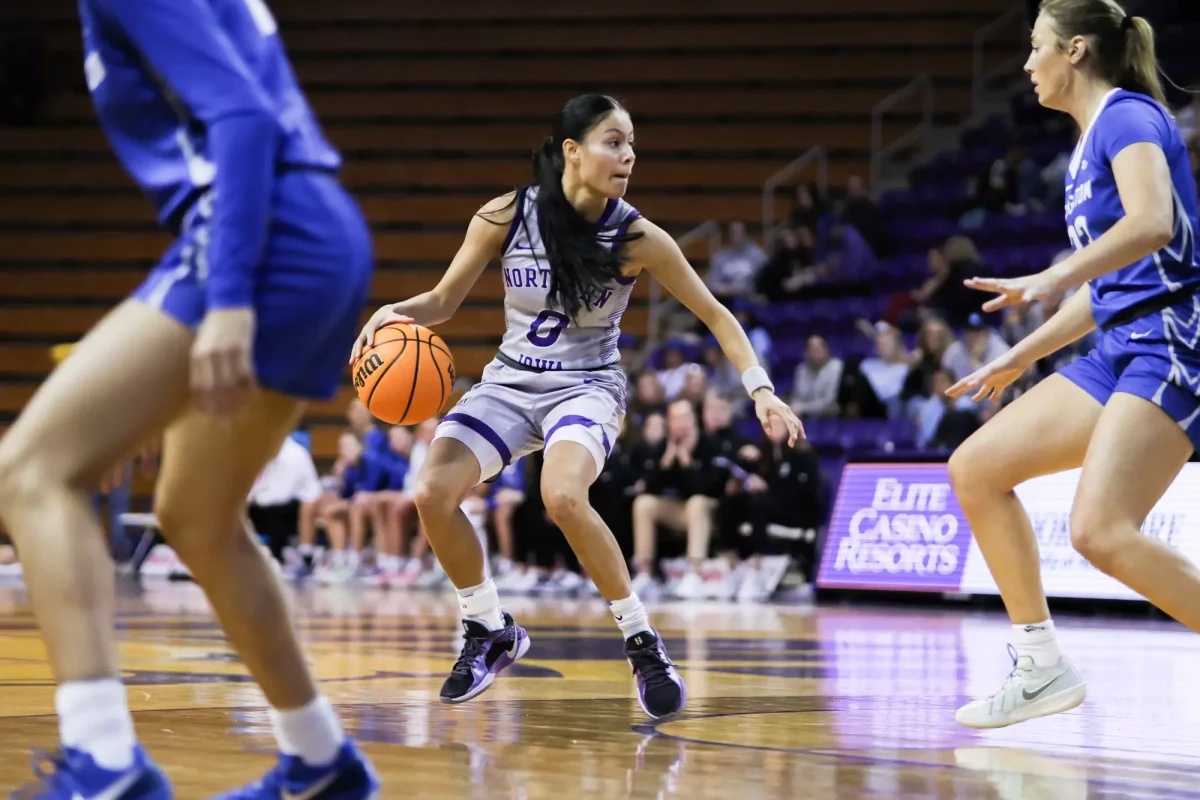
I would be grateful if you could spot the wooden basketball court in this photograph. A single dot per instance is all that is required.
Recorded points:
(785, 702)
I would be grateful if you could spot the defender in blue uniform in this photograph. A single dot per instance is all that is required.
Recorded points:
(1128, 412)
(250, 313)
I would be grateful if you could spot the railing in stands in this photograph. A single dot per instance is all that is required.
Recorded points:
(880, 152)
(659, 305)
(982, 76)
(814, 155)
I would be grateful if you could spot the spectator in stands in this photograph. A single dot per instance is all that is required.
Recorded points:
(933, 340)
(735, 266)
(790, 269)
(809, 208)
(695, 386)
(888, 369)
(337, 510)
(760, 340)
(861, 212)
(944, 292)
(943, 422)
(723, 377)
(680, 493)
(818, 379)
(674, 371)
(283, 501)
(389, 506)
(505, 496)
(648, 397)
(374, 438)
(980, 345)
(782, 488)
(415, 565)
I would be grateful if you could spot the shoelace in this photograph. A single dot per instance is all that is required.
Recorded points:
(472, 647)
(46, 782)
(1012, 676)
(652, 667)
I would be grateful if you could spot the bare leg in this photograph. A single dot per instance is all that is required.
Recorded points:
(568, 473)
(1136, 452)
(1042, 432)
(449, 473)
(648, 512)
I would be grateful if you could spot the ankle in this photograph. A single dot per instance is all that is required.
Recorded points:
(93, 717)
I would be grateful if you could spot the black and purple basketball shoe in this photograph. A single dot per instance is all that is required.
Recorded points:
(484, 654)
(660, 687)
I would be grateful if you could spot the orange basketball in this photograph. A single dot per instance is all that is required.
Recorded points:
(406, 375)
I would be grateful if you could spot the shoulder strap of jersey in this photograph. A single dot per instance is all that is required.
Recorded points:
(517, 221)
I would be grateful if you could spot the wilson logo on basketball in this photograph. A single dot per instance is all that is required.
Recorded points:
(372, 363)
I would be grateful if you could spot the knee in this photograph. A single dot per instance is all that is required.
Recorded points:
(645, 505)
(564, 503)
(434, 499)
(698, 508)
(975, 467)
(21, 477)
(203, 537)
(1096, 538)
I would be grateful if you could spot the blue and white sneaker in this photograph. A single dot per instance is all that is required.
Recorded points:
(76, 776)
(349, 777)
(485, 654)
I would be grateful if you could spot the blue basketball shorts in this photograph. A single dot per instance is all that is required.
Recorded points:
(310, 288)
(1156, 358)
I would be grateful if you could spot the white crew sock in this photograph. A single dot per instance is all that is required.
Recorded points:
(93, 716)
(631, 616)
(313, 732)
(482, 604)
(1038, 641)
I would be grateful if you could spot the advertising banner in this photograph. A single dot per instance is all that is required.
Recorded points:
(900, 527)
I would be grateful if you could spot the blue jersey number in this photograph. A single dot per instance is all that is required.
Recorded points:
(548, 337)
(1078, 231)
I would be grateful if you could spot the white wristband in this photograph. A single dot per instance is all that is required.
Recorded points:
(756, 378)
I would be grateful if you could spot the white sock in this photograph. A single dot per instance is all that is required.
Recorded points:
(1039, 642)
(482, 604)
(353, 559)
(313, 733)
(306, 550)
(631, 616)
(93, 716)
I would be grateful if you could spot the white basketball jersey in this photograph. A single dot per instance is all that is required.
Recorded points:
(542, 336)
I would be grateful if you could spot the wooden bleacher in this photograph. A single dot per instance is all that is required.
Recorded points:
(437, 107)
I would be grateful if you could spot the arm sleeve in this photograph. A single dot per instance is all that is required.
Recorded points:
(185, 45)
(1130, 120)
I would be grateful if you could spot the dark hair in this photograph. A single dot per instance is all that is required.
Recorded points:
(1122, 45)
(584, 256)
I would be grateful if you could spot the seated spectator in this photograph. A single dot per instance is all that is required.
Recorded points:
(760, 340)
(283, 501)
(980, 345)
(338, 511)
(809, 208)
(861, 212)
(674, 371)
(781, 488)
(505, 495)
(388, 506)
(735, 266)
(790, 269)
(818, 379)
(945, 422)
(887, 370)
(679, 492)
(933, 340)
(723, 377)
(648, 397)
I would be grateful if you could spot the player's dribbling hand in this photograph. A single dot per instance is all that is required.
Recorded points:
(768, 405)
(386, 315)
(223, 361)
(1011, 291)
(989, 381)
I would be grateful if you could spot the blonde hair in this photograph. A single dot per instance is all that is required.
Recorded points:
(1121, 45)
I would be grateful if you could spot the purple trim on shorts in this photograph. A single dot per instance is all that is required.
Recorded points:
(518, 218)
(483, 430)
(623, 228)
(576, 419)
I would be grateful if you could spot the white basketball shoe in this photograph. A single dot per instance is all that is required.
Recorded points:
(1029, 692)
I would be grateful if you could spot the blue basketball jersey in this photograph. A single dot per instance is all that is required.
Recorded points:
(1093, 204)
(199, 95)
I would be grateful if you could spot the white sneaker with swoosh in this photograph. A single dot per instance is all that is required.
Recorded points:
(1029, 692)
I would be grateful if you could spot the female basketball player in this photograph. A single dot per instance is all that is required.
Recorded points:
(570, 248)
(1128, 412)
(249, 313)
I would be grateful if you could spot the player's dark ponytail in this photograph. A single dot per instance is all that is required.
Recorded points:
(585, 257)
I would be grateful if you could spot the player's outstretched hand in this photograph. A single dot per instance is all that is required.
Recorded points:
(386, 315)
(1013, 291)
(767, 406)
(989, 381)
(223, 361)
